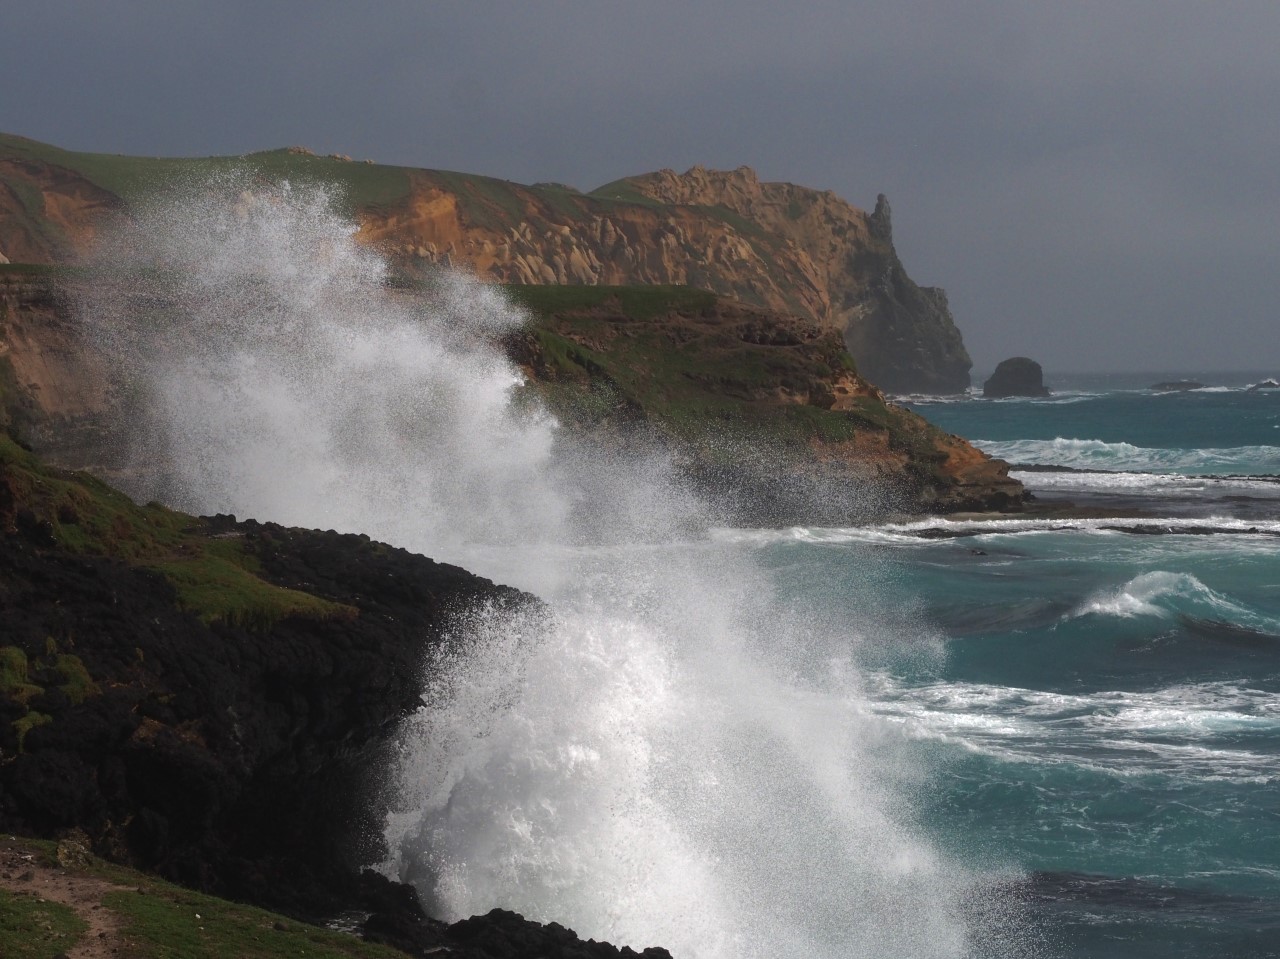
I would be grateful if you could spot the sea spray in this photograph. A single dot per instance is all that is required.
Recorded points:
(668, 754)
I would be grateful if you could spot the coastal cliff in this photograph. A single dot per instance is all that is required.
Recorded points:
(777, 246)
(765, 412)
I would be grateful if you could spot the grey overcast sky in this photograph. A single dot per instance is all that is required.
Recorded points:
(1095, 184)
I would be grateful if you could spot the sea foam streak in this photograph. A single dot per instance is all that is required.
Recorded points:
(1187, 732)
(1096, 454)
(666, 756)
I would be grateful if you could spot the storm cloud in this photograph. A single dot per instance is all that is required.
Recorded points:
(1096, 185)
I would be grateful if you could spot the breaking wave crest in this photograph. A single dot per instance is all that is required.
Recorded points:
(1166, 594)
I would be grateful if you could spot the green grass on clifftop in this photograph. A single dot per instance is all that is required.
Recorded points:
(214, 577)
(156, 919)
(132, 178)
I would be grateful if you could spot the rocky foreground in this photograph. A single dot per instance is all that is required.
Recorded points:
(211, 700)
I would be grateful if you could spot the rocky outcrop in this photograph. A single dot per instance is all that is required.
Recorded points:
(774, 245)
(764, 411)
(212, 700)
(224, 746)
(1176, 386)
(1017, 376)
(901, 335)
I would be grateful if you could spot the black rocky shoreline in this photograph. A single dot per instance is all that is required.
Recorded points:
(236, 758)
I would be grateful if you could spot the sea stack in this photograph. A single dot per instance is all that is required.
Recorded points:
(1017, 376)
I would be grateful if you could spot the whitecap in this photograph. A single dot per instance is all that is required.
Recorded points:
(1099, 454)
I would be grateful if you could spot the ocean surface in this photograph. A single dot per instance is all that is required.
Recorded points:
(1105, 718)
(932, 740)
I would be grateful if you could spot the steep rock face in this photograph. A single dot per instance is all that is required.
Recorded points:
(47, 212)
(901, 335)
(53, 390)
(774, 245)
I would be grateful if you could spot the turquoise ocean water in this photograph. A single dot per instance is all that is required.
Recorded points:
(1099, 708)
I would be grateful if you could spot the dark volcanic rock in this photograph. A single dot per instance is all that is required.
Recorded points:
(230, 758)
(1265, 385)
(499, 934)
(233, 754)
(1018, 376)
(230, 753)
(1176, 386)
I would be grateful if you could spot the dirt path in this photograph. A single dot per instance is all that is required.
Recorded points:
(23, 872)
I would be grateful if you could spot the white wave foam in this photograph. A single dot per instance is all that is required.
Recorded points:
(1097, 454)
(1186, 731)
(1161, 593)
(937, 531)
(1150, 484)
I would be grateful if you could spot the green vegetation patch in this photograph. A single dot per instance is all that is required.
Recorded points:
(15, 682)
(34, 929)
(168, 921)
(76, 683)
(219, 587)
(134, 178)
(215, 578)
(162, 921)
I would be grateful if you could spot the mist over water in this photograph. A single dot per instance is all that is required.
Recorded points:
(670, 753)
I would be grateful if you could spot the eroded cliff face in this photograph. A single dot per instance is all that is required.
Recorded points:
(774, 245)
(48, 213)
(53, 390)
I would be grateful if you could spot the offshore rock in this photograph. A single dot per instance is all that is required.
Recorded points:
(774, 245)
(1176, 386)
(1018, 376)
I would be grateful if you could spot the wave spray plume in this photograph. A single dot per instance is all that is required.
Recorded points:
(667, 754)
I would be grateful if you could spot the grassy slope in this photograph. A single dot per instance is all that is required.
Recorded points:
(164, 920)
(214, 578)
(130, 177)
